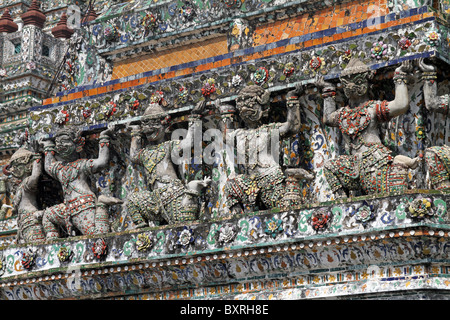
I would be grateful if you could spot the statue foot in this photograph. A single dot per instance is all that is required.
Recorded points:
(206, 182)
(236, 210)
(407, 161)
(38, 214)
(299, 173)
(141, 225)
(109, 200)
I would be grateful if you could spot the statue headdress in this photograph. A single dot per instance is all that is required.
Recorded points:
(21, 153)
(154, 111)
(355, 66)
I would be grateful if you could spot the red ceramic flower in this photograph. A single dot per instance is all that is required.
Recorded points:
(99, 248)
(320, 221)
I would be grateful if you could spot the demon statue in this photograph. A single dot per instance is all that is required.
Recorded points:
(24, 170)
(260, 180)
(437, 157)
(368, 165)
(168, 199)
(81, 209)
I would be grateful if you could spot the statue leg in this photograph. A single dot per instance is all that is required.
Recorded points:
(84, 221)
(101, 213)
(342, 175)
(53, 217)
(272, 187)
(142, 208)
(234, 194)
(438, 165)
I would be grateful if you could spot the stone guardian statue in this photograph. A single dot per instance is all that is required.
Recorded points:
(25, 169)
(81, 208)
(368, 165)
(437, 158)
(168, 199)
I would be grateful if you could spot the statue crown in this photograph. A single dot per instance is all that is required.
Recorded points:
(355, 66)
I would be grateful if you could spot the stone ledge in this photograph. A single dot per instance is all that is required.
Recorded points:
(255, 250)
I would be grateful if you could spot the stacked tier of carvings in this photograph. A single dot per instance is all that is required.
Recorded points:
(100, 107)
(163, 198)
(32, 54)
(123, 35)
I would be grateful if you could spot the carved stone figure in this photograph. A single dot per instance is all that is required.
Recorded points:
(81, 208)
(261, 180)
(437, 158)
(25, 167)
(168, 199)
(368, 165)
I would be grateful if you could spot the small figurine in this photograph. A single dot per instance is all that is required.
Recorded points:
(261, 180)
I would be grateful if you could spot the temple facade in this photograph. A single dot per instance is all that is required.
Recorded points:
(229, 149)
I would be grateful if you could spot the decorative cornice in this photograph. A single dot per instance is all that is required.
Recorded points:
(249, 237)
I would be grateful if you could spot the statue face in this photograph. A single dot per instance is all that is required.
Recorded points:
(20, 168)
(250, 110)
(153, 129)
(65, 146)
(355, 86)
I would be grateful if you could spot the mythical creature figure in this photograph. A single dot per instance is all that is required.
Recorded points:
(25, 169)
(81, 208)
(437, 157)
(368, 165)
(168, 199)
(261, 180)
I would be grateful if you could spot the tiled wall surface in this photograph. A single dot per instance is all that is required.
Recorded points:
(171, 57)
(331, 17)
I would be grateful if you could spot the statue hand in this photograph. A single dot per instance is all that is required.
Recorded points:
(321, 83)
(297, 92)
(133, 127)
(109, 131)
(425, 67)
(38, 214)
(46, 142)
(199, 108)
(405, 67)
